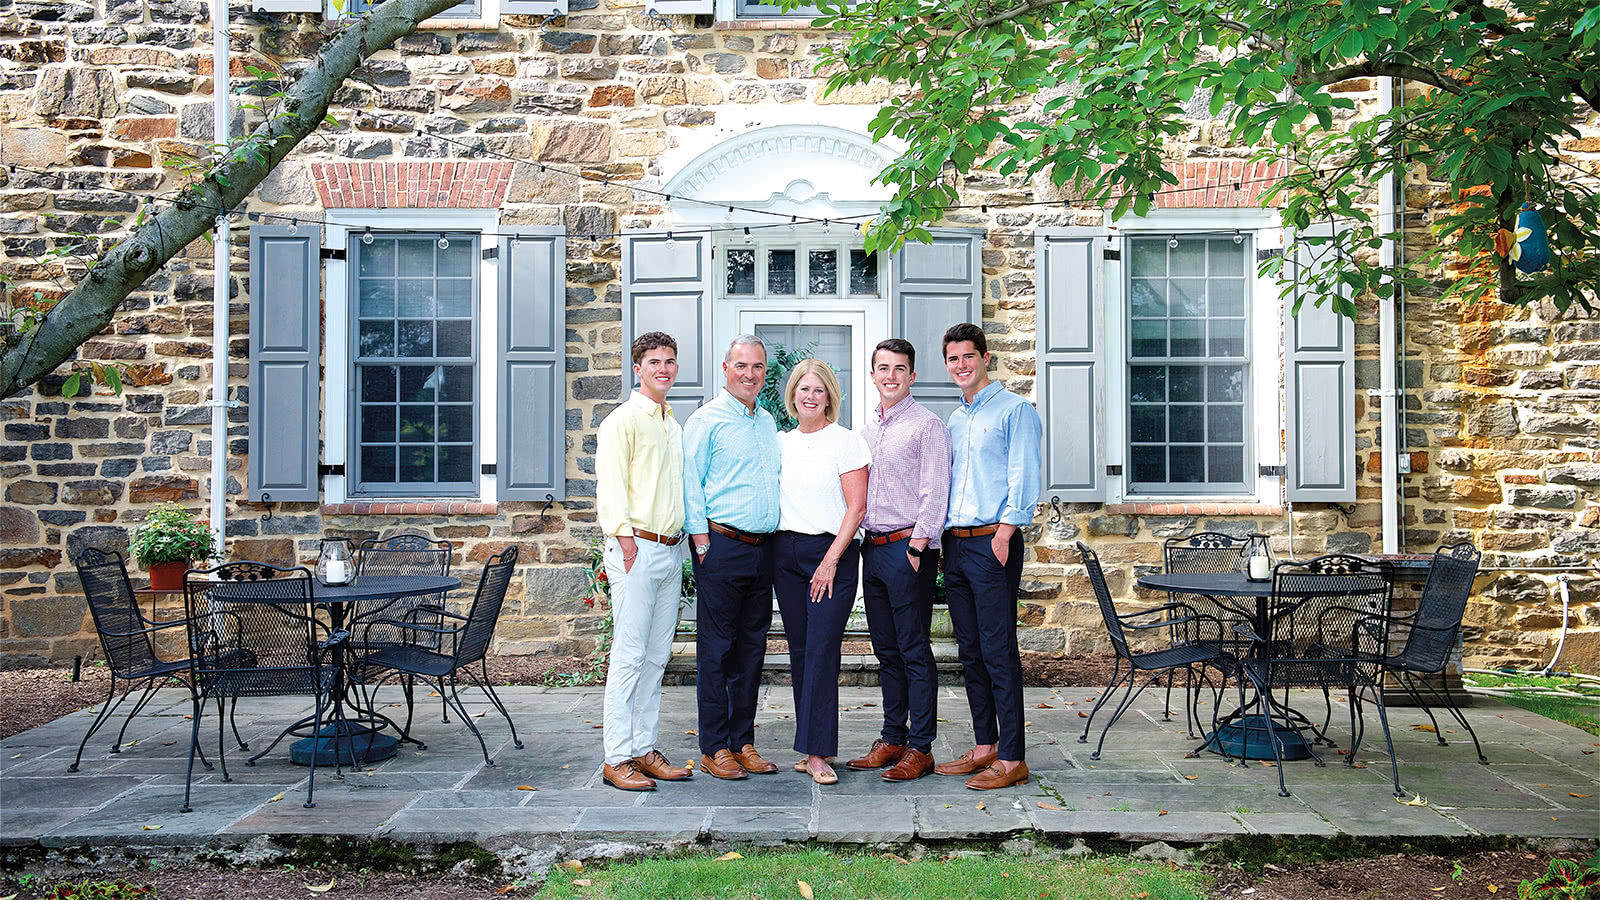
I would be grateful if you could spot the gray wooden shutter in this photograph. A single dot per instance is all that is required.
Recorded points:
(1320, 384)
(285, 352)
(533, 7)
(532, 439)
(666, 286)
(937, 285)
(1070, 273)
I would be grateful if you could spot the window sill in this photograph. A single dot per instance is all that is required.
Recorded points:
(457, 24)
(1192, 508)
(795, 24)
(411, 508)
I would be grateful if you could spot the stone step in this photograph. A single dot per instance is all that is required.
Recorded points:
(854, 669)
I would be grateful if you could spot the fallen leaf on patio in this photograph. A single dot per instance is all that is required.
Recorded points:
(1044, 805)
(805, 889)
(1544, 785)
(591, 726)
(691, 731)
(526, 787)
(16, 756)
(730, 855)
(1587, 752)
(275, 797)
(1579, 796)
(1161, 812)
(505, 889)
(582, 882)
(188, 717)
(131, 744)
(434, 694)
(321, 888)
(567, 766)
(151, 827)
(980, 804)
(168, 743)
(1082, 714)
(1027, 724)
(1269, 763)
(1043, 706)
(480, 715)
(1428, 728)
(571, 865)
(874, 704)
(1416, 800)
(689, 764)
(1341, 752)
(944, 720)
(1191, 777)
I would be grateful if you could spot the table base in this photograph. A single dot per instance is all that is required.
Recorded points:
(340, 745)
(1230, 738)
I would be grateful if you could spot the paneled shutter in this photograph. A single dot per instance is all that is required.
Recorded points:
(1320, 383)
(532, 438)
(285, 350)
(533, 7)
(1070, 272)
(666, 286)
(680, 7)
(937, 285)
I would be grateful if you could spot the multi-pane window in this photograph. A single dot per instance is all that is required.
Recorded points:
(415, 363)
(753, 9)
(1188, 300)
(468, 9)
(807, 270)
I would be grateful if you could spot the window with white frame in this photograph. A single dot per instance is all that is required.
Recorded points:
(1188, 364)
(820, 268)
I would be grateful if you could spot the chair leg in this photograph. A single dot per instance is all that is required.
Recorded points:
(467, 718)
(1127, 698)
(233, 710)
(1450, 704)
(1166, 705)
(444, 706)
(145, 697)
(1116, 679)
(1394, 764)
(1272, 737)
(221, 750)
(316, 736)
(105, 712)
(494, 698)
(194, 743)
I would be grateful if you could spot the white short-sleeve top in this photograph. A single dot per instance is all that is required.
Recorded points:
(810, 497)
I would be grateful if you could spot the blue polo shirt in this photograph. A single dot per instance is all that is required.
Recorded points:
(731, 462)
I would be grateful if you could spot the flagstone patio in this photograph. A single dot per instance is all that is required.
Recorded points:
(1543, 781)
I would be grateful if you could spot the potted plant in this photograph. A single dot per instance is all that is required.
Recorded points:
(169, 541)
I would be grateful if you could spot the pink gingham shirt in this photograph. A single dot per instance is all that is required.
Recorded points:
(908, 483)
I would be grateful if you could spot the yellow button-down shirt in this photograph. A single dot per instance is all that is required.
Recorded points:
(638, 469)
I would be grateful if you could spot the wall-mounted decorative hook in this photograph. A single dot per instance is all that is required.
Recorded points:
(549, 503)
(1055, 510)
(266, 504)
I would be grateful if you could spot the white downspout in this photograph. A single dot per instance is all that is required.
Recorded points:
(1388, 430)
(219, 292)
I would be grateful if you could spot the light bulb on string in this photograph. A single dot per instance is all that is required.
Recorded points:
(1238, 237)
(671, 241)
(444, 243)
(1172, 242)
(366, 236)
(827, 227)
(294, 226)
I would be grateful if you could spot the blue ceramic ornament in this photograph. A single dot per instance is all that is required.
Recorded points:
(1530, 250)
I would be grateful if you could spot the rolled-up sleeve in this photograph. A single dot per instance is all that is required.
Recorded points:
(696, 466)
(933, 481)
(1024, 435)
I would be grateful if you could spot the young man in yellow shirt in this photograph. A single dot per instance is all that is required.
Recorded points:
(639, 505)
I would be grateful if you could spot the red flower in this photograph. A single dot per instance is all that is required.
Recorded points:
(589, 602)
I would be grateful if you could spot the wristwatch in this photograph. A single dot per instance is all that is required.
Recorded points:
(702, 549)
(914, 551)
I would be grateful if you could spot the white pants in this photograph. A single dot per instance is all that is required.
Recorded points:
(644, 614)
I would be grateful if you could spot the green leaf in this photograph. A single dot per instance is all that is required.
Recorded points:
(69, 388)
(114, 379)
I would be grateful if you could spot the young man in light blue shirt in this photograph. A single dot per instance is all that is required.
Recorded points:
(994, 485)
(730, 489)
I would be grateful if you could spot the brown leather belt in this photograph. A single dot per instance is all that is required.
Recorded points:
(745, 536)
(974, 531)
(879, 538)
(658, 538)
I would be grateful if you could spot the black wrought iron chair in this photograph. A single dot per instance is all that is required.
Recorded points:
(128, 638)
(1207, 552)
(254, 632)
(401, 554)
(1205, 649)
(468, 646)
(1321, 637)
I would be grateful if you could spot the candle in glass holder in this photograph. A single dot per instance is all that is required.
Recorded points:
(1260, 568)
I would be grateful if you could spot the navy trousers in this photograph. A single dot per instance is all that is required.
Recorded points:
(982, 596)
(733, 611)
(814, 632)
(899, 603)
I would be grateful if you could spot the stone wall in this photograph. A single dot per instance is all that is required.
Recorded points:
(1501, 404)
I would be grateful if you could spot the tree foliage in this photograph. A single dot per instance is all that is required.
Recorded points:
(1090, 93)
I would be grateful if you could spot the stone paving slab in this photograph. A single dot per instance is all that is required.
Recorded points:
(1544, 780)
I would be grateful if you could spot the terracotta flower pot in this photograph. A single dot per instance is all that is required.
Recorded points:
(167, 576)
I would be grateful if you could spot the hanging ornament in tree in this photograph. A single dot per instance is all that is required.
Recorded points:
(1530, 251)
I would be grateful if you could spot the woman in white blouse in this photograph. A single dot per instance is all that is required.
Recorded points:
(822, 497)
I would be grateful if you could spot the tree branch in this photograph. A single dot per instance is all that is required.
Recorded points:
(92, 303)
(1383, 67)
(1017, 12)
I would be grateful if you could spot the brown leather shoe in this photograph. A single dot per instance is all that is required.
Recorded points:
(882, 754)
(657, 766)
(994, 777)
(625, 776)
(752, 761)
(913, 765)
(723, 765)
(964, 764)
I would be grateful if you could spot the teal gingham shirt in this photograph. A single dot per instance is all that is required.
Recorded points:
(730, 467)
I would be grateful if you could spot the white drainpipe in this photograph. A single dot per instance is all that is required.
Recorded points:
(1389, 436)
(219, 293)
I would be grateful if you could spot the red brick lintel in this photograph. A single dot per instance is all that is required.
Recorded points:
(411, 508)
(1192, 509)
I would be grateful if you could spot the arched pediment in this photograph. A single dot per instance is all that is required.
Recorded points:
(787, 166)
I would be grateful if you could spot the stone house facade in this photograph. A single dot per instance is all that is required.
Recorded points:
(461, 261)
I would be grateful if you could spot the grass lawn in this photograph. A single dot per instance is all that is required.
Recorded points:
(776, 875)
(1579, 712)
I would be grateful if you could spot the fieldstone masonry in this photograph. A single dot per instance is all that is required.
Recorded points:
(1501, 405)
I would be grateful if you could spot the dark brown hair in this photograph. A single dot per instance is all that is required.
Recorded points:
(652, 340)
(966, 331)
(897, 345)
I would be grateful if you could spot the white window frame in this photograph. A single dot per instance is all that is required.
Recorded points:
(728, 11)
(1264, 336)
(489, 19)
(336, 381)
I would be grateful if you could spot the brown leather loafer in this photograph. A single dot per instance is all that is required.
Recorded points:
(723, 765)
(964, 764)
(994, 778)
(882, 754)
(657, 766)
(752, 761)
(625, 776)
(913, 765)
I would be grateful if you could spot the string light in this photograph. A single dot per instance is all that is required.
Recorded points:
(366, 236)
(444, 243)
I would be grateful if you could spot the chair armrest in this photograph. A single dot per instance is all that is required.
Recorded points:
(1165, 607)
(413, 626)
(158, 626)
(1248, 630)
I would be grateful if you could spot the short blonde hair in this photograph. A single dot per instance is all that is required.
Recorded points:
(830, 383)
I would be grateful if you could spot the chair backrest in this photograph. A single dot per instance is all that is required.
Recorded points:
(253, 628)
(404, 554)
(1102, 595)
(1208, 552)
(473, 641)
(1318, 601)
(1441, 607)
(116, 614)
